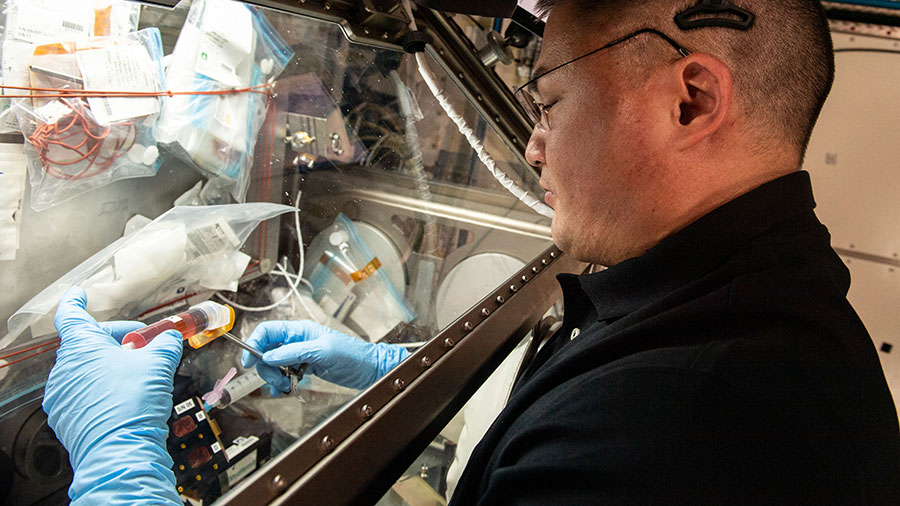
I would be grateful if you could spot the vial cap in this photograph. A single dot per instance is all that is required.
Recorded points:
(217, 314)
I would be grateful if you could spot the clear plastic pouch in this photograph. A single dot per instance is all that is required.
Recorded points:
(223, 45)
(76, 143)
(30, 22)
(186, 250)
(350, 284)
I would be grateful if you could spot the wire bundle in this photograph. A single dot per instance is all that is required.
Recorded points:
(75, 140)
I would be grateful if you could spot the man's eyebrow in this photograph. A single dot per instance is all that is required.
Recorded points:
(541, 68)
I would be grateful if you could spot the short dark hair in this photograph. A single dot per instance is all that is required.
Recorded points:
(783, 67)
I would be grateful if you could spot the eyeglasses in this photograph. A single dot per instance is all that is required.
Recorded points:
(537, 111)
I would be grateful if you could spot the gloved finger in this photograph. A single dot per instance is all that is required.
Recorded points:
(306, 330)
(265, 336)
(71, 315)
(274, 377)
(166, 348)
(272, 334)
(118, 329)
(294, 354)
(248, 360)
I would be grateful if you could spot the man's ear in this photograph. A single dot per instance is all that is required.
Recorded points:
(704, 87)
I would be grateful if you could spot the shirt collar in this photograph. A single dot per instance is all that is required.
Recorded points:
(694, 250)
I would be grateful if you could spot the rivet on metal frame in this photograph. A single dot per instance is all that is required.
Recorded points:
(485, 311)
(500, 299)
(535, 269)
(326, 444)
(544, 261)
(398, 384)
(425, 362)
(449, 342)
(524, 278)
(467, 326)
(513, 288)
(278, 483)
(366, 411)
(553, 254)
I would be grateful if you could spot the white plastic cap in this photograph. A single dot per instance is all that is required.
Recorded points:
(150, 155)
(217, 314)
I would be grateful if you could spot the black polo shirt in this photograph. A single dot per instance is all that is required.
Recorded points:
(724, 366)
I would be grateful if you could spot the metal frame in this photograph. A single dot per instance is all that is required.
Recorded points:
(358, 453)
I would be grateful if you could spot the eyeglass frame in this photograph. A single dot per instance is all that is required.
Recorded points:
(535, 110)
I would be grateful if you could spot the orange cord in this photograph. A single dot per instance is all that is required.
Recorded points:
(53, 345)
(43, 138)
(88, 141)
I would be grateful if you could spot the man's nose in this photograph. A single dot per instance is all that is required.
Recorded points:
(534, 150)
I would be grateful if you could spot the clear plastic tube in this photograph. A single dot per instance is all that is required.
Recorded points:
(238, 388)
(199, 325)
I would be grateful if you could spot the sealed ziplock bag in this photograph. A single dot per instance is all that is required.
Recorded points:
(185, 250)
(31, 22)
(81, 138)
(222, 46)
(350, 284)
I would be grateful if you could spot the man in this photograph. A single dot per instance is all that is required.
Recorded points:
(716, 360)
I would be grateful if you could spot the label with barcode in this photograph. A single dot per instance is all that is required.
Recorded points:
(120, 68)
(39, 21)
(75, 27)
(184, 406)
(215, 238)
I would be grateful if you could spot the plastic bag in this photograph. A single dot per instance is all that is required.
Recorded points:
(349, 282)
(185, 250)
(30, 22)
(76, 144)
(222, 46)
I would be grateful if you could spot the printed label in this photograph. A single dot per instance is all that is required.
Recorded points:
(241, 469)
(201, 415)
(240, 444)
(216, 447)
(119, 68)
(212, 239)
(226, 44)
(40, 21)
(184, 406)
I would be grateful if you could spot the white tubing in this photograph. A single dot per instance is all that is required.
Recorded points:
(469, 134)
(476, 144)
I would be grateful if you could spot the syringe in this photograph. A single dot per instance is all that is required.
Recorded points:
(237, 389)
(199, 325)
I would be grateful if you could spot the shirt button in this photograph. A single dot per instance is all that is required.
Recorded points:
(575, 332)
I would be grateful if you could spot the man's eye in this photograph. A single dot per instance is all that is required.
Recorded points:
(545, 107)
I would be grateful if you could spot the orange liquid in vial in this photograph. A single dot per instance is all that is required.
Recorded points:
(196, 321)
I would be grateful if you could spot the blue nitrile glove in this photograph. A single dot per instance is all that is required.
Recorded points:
(109, 407)
(331, 355)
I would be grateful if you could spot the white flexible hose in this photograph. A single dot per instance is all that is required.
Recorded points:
(287, 276)
(469, 134)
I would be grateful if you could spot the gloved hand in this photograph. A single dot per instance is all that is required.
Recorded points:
(109, 406)
(331, 355)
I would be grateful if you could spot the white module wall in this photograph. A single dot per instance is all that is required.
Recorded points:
(854, 161)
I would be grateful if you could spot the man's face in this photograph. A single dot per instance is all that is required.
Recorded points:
(598, 150)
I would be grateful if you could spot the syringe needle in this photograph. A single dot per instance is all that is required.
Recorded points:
(236, 340)
(296, 372)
